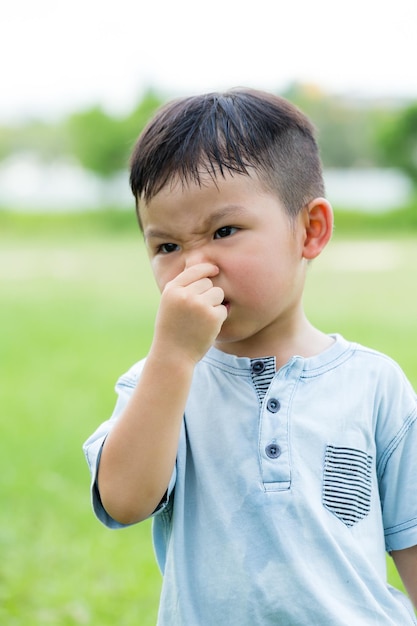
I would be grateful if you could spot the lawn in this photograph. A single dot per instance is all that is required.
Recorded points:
(77, 310)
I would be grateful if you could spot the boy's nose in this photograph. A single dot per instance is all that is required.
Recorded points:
(196, 256)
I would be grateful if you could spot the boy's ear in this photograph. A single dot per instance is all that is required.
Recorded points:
(318, 223)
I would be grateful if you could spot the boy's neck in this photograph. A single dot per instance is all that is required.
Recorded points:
(303, 340)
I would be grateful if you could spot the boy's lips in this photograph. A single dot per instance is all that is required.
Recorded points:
(226, 303)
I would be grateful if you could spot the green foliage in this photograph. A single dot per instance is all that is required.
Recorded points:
(97, 141)
(345, 128)
(5, 142)
(351, 132)
(140, 116)
(398, 141)
(77, 226)
(103, 143)
(48, 141)
(361, 224)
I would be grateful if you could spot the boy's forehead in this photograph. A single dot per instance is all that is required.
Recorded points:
(201, 206)
(215, 188)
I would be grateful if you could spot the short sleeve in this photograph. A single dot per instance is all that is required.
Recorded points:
(94, 444)
(397, 470)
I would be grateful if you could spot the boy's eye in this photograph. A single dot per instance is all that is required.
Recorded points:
(167, 248)
(225, 231)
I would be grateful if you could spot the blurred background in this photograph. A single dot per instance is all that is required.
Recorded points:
(78, 82)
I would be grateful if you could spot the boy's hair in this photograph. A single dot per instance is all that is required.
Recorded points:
(236, 132)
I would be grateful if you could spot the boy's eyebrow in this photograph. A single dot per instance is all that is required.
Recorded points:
(233, 210)
(229, 211)
(154, 233)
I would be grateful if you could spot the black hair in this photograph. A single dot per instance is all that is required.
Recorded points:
(240, 131)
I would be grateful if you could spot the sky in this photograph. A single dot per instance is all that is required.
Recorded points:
(58, 57)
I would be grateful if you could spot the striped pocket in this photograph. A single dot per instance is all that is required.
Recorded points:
(347, 483)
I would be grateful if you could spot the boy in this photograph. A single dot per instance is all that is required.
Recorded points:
(278, 462)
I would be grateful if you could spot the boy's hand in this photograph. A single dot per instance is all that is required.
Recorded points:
(191, 313)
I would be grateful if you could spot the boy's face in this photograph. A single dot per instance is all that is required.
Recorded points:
(244, 231)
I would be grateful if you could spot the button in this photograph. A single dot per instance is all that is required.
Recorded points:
(273, 405)
(258, 367)
(273, 451)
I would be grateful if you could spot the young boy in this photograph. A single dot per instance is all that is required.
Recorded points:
(279, 462)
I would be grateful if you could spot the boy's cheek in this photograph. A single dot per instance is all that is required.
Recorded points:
(160, 282)
(163, 277)
(160, 270)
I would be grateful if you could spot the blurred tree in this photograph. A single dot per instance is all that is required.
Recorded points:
(5, 141)
(47, 141)
(97, 141)
(141, 115)
(351, 133)
(102, 143)
(398, 141)
(345, 126)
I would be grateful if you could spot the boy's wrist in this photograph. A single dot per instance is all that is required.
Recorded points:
(173, 357)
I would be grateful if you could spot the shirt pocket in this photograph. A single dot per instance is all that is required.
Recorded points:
(347, 483)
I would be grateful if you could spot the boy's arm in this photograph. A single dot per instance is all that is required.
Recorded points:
(139, 454)
(406, 564)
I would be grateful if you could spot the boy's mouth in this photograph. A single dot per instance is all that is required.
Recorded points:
(226, 303)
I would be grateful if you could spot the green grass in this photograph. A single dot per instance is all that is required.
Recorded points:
(77, 308)
(75, 314)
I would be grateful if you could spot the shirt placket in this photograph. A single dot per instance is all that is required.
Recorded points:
(275, 391)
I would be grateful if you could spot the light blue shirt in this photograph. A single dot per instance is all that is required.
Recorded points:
(288, 489)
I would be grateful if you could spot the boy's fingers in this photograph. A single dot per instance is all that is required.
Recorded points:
(215, 296)
(194, 273)
(200, 286)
